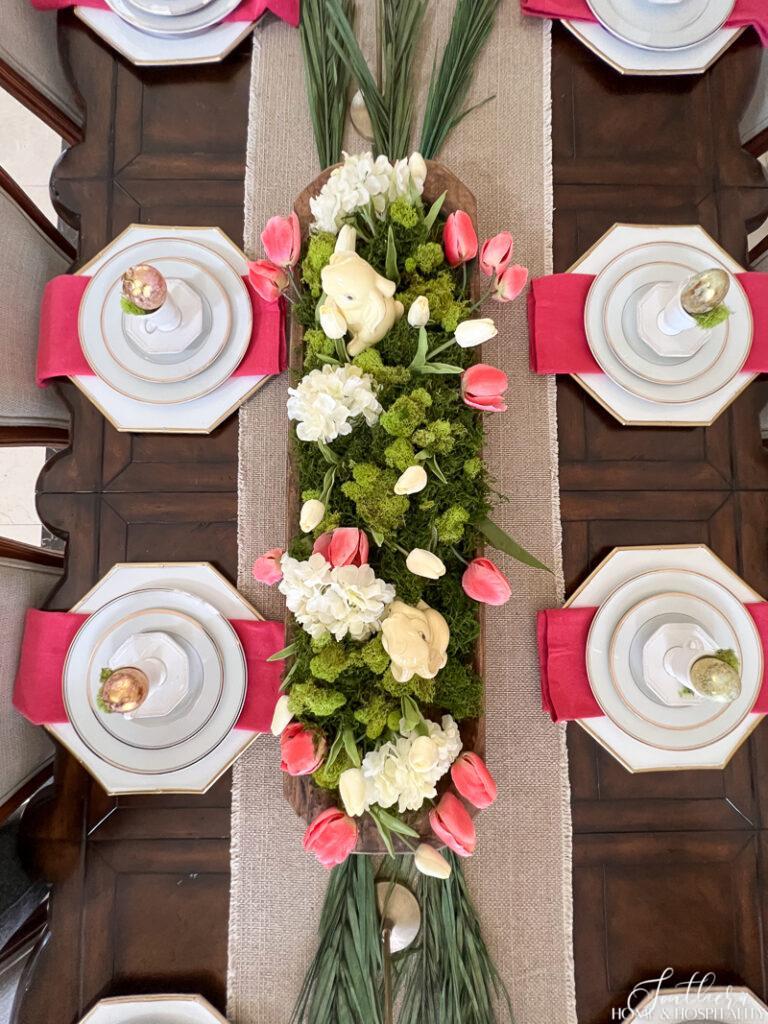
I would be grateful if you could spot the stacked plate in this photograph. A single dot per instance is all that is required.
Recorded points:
(109, 339)
(611, 324)
(624, 623)
(662, 25)
(173, 17)
(202, 688)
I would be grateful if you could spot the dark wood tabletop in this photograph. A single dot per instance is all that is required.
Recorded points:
(669, 869)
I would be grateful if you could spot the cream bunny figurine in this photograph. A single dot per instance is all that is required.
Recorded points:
(358, 300)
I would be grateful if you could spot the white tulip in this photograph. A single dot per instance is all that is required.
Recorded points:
(413, 480)
(424, 563)
(347, 239)
(424, 754)
(352, 791)
(418, 314)
(332, 322)
(474, 332)
(418, 168)
(429, 862)
(281, 716)
(311, 515)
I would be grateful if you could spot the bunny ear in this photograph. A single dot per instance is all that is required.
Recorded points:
(385, 286)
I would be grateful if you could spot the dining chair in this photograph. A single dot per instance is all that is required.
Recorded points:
(27, 577)
(33, 70)
(34, 251)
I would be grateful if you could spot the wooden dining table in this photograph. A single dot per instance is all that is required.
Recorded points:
(670, 870)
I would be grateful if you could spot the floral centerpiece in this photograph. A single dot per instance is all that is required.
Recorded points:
(383, 697)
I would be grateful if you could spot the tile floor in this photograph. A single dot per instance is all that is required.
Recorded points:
(28, 151)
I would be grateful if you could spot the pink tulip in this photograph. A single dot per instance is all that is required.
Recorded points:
(482, 387)
(345, 545)
(452, 824)
(459, 238)
(266, 568)
(510, 283)
(302, 749)
(485, 582)
(332, 836)
(473, 780)
(268, 281)
(496, 254)
(281, 239)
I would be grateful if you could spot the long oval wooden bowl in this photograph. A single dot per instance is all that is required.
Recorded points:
(306, 798)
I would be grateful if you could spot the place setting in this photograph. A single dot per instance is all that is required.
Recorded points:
(163, 330)
(655, 37)
(156, 681)
(660, 655)
(659, 324)
(157, 32)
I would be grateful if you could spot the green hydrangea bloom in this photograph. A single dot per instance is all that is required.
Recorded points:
(400, 454)
(404, 213)
(459, 690)
(473, 467)
(375, 657)
(422, 690)
(330, 662)
(426, 257)
(374, 713)
(319, 251)
(328, 778)
(309, 698)
(406, 413)
(371, 489)
(450, 525)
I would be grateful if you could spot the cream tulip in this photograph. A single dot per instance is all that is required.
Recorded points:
(347, 239)
(424, 563)
(474, 332)
(416, 640)
(281, 716)
(332, 322)
(413, 480)
(352, 791)
(311, 515)
(417, 165)
(418, 314)
(428, 861)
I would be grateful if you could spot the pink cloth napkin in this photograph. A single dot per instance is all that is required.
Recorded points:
(47, 636)
(746, 12)
(565, 690)
(58, 348)
(558, 342)
(249, 10)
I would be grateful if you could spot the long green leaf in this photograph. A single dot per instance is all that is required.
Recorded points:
(500, 540)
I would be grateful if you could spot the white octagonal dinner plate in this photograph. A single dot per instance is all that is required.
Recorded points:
(198, 578)
(162, 1009)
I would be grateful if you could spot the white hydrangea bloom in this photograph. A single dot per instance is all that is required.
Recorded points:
(394, 776)
(361, 181)
(327, 400)
(347, 601)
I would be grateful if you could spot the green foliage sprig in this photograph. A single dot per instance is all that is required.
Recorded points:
(327, 76)
(713, 318)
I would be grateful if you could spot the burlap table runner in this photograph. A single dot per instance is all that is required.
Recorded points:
(521, 875)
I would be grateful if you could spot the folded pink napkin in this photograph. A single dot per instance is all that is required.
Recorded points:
(248, 10)
(745, 12)
(58, 346)
(47, 636)
(565, 690)
(558, 342)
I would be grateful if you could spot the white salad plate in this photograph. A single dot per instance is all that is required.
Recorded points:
(619, 567)
(700, 725)
(169, 8)
(662, 26)
(609, 313)
(187, 23)
(660, 697)
(95, 317)
(81, 673)
(160, 368)
(155, 1009)
(697, 1001)
(198, 684)
(620, 328)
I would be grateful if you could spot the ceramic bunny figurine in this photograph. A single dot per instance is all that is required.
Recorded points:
(360, 297)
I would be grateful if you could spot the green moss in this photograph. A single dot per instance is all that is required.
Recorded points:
(422, 690)
(427, 258)
(729, 657)
(404, 213)
(459, 690)
(406, 413)
(328, 778)
(330, 662)
(370, 362)
(371, 490)
(374, 656)
(373, 714)
(400, 454)
(319, 251)
(444, 305)
(317, 343)
(439, 437)
(131, 308)
(309, 698)
(714, 318)
(473, 467)
(451, 524)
